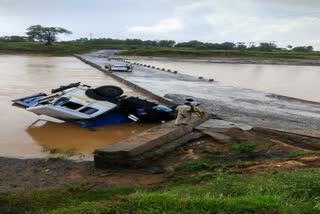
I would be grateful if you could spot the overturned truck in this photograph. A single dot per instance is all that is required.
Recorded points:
(94, 107)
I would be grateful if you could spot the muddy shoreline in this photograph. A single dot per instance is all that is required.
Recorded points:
(273, 151)
(26, 174)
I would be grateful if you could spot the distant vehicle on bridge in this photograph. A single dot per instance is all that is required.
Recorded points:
(119, 67)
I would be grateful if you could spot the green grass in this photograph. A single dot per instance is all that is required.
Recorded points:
(296, 154)
(244, 147)
(60, 201)
(193, 166)
(69, 48)
(205, 191)
(57, 49)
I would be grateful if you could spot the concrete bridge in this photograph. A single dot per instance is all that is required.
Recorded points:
(238, 105)
(230, 103)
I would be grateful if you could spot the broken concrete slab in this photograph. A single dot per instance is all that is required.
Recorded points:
(160, 151)
(125, 151)
(147, 159)
(219, 137)
(216, 128)
(221, 126)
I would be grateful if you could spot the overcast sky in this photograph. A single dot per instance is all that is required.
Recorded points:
(294, 22)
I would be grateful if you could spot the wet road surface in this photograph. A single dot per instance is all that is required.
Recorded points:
(230, 103)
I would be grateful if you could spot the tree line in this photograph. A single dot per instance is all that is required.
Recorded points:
(16, 39)
(264, 46)
(137, 42)
(48, 35)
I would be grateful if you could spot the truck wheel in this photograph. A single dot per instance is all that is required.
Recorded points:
(109, 91)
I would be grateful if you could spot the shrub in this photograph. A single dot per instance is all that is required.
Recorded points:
(295, 154)
(244, 147)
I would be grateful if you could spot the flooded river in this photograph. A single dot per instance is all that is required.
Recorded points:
(21, 137)
(293, 81)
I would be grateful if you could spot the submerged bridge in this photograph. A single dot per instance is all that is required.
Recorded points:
(238, 105)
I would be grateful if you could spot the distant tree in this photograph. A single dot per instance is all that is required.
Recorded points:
(18, 39)
(252, 46)
(208, 46)
(45, 34)
(150, 43)
(82, 40)
(213, 46)
(267, 46)
(14, 39)
(166, 43)
(227, 46)
(133, 42)
(303, 48)
(289, 47)
(241, 46)
(190, 44)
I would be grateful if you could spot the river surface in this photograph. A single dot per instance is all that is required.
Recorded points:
(20, 133)
(293, 81)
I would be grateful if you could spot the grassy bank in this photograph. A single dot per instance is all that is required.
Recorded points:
(193, 53)
(57, 49)
(248, 174)
(193, 188)
(68, 48)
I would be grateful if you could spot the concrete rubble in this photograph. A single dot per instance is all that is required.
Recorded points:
(139, 149)
(216, 125)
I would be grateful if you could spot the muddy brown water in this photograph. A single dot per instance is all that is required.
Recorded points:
(21, 137)
(288, 80)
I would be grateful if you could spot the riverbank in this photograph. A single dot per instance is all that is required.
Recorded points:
(251, 174)
(252, 151)
(57, 49)
(230, 56)
(218, 56)
(228, 60)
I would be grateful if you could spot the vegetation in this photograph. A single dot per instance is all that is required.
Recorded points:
(248, 54)
(127, 42)
(38, 35)
(45, 34)
(295, 154)
(194, 44)
(244, 147)
(69, 48)
(205, 191)
(58, 49)
(16, 39)
(303, 48)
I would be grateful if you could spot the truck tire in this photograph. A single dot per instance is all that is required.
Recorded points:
(109, 91)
